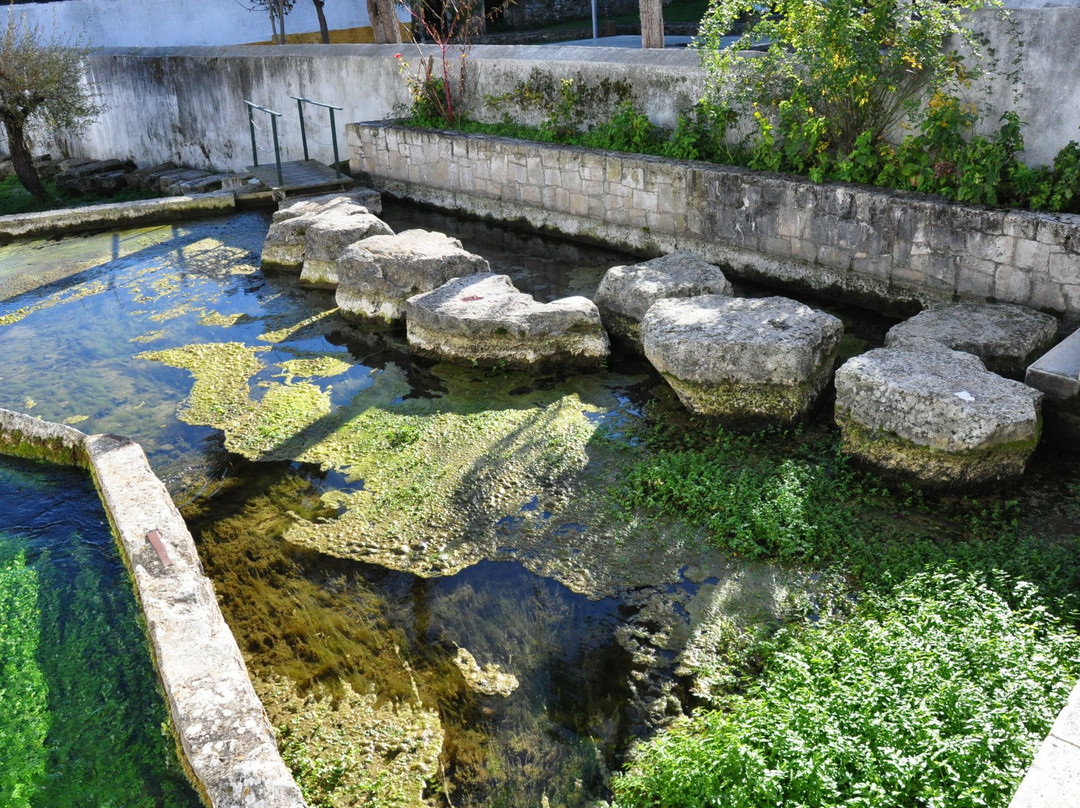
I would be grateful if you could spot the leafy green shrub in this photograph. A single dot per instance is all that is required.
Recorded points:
(628, 130)
(827, 72)
(24, 717)
(935, 694)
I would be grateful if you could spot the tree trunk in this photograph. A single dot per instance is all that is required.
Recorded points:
(21, 158)
(324, 30)
(652, 23)
(384, 21)
(272, 11)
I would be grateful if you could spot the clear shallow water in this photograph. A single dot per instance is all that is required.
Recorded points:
(586, 671)
(104, 744)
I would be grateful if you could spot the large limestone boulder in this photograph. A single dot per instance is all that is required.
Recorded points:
(924, 412)
(298, 206)
(329, 235)
(627, 292)
(1006, 337)
(482, 319)
(377, 276)
(745, 360)
(286, 241)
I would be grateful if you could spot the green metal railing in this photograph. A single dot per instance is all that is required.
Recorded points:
(303, 125)
(273, 126)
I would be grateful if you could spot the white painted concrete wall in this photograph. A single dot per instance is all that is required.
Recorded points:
(154, 23)
(184, 103)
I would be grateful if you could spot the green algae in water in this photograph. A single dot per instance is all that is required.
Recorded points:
(106, 740)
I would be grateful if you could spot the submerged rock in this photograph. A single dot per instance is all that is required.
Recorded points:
(627, 292)
(741, 359)
(489, 680)
(483, 319)
(924, 412)
(375, 278)
(1006, 337)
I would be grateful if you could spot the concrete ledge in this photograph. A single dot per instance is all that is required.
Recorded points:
(226, 741)
(115, 215)
(1053, 781)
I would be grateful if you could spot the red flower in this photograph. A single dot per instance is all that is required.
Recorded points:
(397, 55)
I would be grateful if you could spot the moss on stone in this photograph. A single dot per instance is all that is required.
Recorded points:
(740, 404)
(905, 460)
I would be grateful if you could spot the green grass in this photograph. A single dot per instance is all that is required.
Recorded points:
(793, 496)
(15, 199)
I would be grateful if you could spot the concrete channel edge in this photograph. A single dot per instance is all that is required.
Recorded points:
(225, 738)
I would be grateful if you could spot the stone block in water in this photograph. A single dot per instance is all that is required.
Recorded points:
(483, 319)
(1006, 337)
(627, 292)
(286, 241)
(923, 412)
(329, 235)
(746, 361)
(376, 276)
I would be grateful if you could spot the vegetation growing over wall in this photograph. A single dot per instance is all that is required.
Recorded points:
(850, 91)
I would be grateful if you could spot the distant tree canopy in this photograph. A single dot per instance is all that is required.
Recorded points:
(41, 83)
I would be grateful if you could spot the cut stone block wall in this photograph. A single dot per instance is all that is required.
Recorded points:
(886, 249)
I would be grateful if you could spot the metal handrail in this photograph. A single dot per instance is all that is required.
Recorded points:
(303, 128)
(273, 126)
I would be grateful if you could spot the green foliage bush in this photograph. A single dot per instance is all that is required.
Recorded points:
(24, 717)
(831, 82)
(935, 694)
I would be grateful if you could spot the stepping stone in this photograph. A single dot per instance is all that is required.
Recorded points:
(285, 247)
(1006, 337)
(923, 412)
(297, 206)
(1057, 374)
(744, 360)
(484, 320)
(331, 232)
(377, 275)
(627, 292)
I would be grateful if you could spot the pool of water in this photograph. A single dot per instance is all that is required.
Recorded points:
(101, 712)
(417, 560)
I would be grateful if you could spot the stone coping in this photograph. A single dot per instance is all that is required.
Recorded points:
(113, 215)
(225, 738)
(1053, 781)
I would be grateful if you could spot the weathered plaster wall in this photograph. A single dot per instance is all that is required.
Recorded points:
(227, 743)
(184, 104)
(861, 243)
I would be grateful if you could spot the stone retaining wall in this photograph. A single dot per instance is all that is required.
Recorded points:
(886, 249)
(226, 740)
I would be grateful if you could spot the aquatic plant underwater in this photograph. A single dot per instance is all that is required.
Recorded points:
(366, 517)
